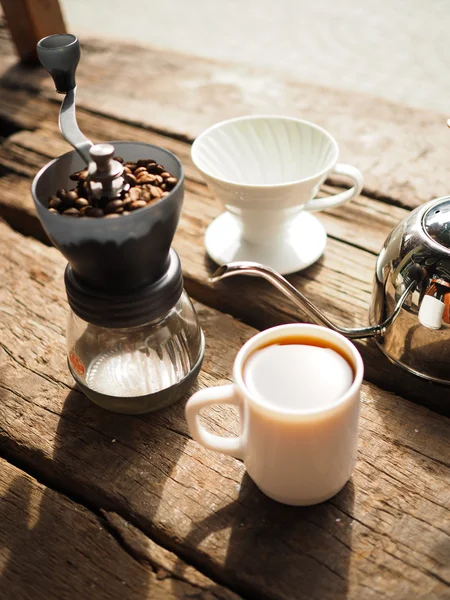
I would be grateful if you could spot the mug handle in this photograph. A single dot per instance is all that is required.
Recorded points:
(354, 174)
(224, 394)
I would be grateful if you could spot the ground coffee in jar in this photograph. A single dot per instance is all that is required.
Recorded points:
(147, 180)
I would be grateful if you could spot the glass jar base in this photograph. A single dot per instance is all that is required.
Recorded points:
(143, 403)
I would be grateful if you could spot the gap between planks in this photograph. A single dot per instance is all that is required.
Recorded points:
(401, 151)
(396, 503)
(158, 573)
(22, 91)
(339, 283)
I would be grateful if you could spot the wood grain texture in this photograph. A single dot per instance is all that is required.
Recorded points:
(54, 549)
(364, 222)
(401, 151)
(386, 535)
(340, 283)
(29, 21)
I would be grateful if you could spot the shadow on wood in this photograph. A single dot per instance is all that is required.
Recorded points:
(51, 547)
(54, 548)
(271, 545)
(46, 537)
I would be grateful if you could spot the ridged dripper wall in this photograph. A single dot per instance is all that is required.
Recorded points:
(116, 255)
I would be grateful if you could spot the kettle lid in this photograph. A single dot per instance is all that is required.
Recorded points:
(436, 223)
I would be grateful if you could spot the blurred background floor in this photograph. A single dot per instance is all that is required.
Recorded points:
(396, 50)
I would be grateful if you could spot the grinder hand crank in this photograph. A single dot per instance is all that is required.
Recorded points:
(60, 54)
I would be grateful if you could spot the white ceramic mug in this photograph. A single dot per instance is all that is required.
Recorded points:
(265, 171)
(298, 457)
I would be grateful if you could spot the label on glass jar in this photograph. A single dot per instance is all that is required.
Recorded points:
(76, 363)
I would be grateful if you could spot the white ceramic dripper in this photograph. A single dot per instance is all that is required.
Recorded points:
(265, 171)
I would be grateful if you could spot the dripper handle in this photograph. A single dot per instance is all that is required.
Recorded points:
(60, 54)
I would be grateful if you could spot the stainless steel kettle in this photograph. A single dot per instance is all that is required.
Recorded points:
(410, 310)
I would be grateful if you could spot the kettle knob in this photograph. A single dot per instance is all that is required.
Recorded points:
(431, 312)
(60, 55)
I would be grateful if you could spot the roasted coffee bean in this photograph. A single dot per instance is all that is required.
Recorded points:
(151, 177)
(155, 179)
(85, 210)
(125, 213)
(113, 205)
(71, 196)
(134, 194)
(154, 183)
(143, 162)
(144, 178)
(112, 216)
(171, 182)
(154, 169)
(156, 192)
(82, 189)
(81, 202)
(165, 194)
(145, 194)
(54, 202)
(96, 213)
(67, 203)
(71, 212)
(140, 170)
(137, 204)
(131, 179)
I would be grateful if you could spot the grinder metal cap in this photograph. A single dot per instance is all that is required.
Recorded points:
(105, 175)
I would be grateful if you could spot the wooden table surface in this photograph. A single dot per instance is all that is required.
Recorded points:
(106, 506)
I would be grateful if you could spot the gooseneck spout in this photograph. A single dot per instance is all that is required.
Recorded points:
(277, 280)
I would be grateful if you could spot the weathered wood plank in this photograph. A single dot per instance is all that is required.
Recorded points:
(53, 548)
(386, 535)
(364, 222)
(401, 151)
(340, 283)
(28, 22)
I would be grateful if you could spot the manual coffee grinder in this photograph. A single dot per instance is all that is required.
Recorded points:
(134, 344)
